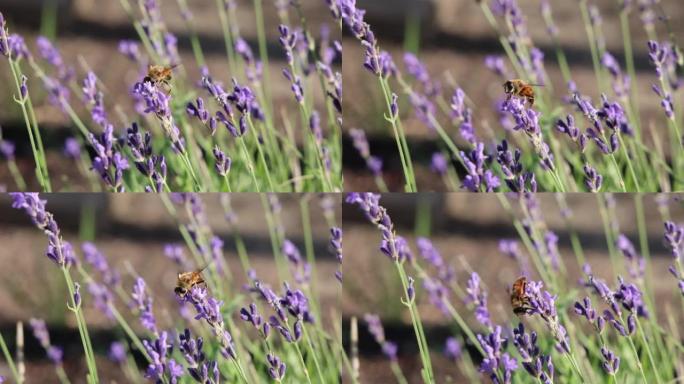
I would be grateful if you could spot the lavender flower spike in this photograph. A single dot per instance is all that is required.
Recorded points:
(58, 250)
(375, 328)
(478, 296)
(360, 142)
(40, 332)
(495, 360)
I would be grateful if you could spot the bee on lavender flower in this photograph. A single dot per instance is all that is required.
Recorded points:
(521, 89)
(159, 75)
(520, 301)
(188, 280)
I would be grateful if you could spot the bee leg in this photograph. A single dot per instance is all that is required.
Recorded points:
(530, 99)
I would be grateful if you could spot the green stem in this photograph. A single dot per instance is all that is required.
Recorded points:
(417, 324)
(250, 164)
(82, 328)
(43, 178)
(10, 361)
(400, 139)
(648, 350)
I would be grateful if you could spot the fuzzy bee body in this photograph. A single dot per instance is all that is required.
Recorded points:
(520, 301)
(158, 74)
(520, 88)
(188, 280)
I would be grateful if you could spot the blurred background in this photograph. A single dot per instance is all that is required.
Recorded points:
(452, 38)
(466, 229)
(131, 230)
(88, 32)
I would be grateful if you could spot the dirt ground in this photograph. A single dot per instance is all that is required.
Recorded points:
(456, 40)
(131, 232)
(466, 230)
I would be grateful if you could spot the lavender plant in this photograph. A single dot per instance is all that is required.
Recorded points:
(195, 130)
(234, 327)
(563, 141)
(603, 328)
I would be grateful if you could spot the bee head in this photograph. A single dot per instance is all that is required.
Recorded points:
(180, 291)
(508, 87)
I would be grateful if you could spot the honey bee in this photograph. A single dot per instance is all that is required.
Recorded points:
(187, 280)
(158, 74)
(519, 299)
(520, 88)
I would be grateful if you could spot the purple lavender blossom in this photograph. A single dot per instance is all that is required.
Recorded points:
(130, 49)
(452, 349)
(97, 260)
(666, 101)
(209, 309)
(72, 148)
(102, 298)
(16, 47)
(276, 367)
(586, 310)
(593, 180)
(373, 163)
(7, 149)
(438, 164)
(161, 366)
(535, 363)
(252, 316)
(543, 303)
(77, 295)
(497, 65)
(40, 332)
(143, 303)
(93, 99)
(159, 103)
(568, 127)
(674, 239)
(58, 250)
(23, 88)
(176, 253)
(295, 85)
(369, 203)
(149, 165)
(478, 296)
(315, 127)
(512, 168)
(199, 368)
(418, 70)
(336, 246)
(198, 110)
(495, 360)
(679, 276)
(511, 249)
(51, 54)
(410, 289)
(108, 162)
(4, 48)
(636, 263)
(300, 268)
(117, 353)
(438, 294)
(223, 162)
(665, 58)
(478, 179)
(615, 118)
(375, 328)
(527, 120)
(621, 82)
(611, 362)
(297, 304)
